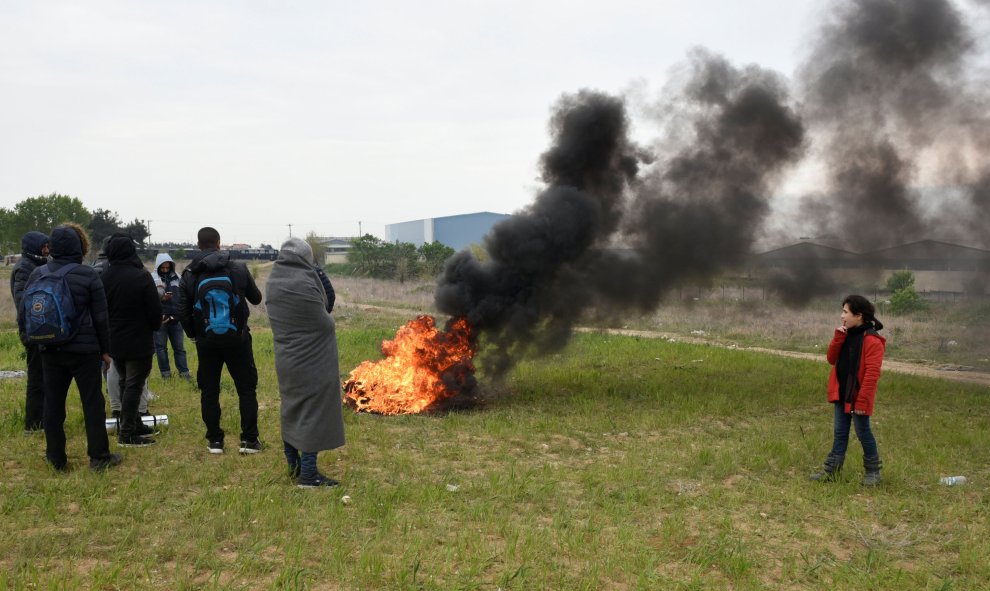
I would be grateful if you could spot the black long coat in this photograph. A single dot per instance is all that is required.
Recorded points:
(132, 301)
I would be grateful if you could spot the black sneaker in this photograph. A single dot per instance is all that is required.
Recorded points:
(166, 375)
(144, 430)
(317, 481)
(215, 446)
(28, 432)
(136, 441)
(101, 464)
(251, 447)
(114, 414)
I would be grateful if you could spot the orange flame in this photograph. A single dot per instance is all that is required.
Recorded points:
(422, 366)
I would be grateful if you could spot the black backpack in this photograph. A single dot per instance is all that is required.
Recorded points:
(217, 310)
(50, 316)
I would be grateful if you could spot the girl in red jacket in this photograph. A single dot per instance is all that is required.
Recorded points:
(856, 354)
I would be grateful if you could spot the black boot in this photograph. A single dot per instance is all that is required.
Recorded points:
(872, 466)
(833, 464)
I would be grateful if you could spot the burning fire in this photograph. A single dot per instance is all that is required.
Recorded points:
(422, 367)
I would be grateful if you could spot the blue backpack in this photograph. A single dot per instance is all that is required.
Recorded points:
(50, 316)
(218, 319)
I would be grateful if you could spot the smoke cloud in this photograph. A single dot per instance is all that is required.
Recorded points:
(887, 90)
(695, 212)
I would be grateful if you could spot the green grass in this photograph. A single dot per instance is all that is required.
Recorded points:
(620, 463)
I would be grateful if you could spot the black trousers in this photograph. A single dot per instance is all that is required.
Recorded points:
(240, 363)
(86, 369)
(34, 406)
(133, 373)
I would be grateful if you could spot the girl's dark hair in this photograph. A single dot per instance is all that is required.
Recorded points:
(860, 305)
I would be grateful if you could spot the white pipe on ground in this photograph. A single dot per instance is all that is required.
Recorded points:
(150, 420)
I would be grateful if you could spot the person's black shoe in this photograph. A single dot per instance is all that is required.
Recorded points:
(101, 464)
(317, 481)
(215, 446)
(136, 441)
(114, 414)
(251, 447)
(143, 430)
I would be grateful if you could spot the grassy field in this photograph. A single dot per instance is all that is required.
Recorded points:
(620, 463)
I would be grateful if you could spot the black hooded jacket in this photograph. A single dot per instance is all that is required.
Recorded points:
(31, 245)
(93, 333)
(209, 261)
(132, 300)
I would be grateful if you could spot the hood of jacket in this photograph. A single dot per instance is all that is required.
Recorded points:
(296, 250)
(31, 245)
(120, 249)
(163, 257)
(209, 260)
(65, 245)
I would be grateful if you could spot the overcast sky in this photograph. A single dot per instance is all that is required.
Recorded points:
(250, 116)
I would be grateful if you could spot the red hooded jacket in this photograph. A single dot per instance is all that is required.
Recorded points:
(869, 370)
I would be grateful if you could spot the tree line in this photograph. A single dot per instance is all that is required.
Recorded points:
(45, 212)
(371, 256)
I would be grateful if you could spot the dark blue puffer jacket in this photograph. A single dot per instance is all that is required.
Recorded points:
(31, 245)
(93, 334)
(31, 258)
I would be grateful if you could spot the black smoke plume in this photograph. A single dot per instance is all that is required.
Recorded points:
(532, 289)
(695, 212)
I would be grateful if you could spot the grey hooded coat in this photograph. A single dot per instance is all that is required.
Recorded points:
(305, 351)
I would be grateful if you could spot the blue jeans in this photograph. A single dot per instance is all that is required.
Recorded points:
(863, 432)
(165, 334)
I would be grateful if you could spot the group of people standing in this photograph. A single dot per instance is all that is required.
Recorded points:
(126, 316)
(122, 316)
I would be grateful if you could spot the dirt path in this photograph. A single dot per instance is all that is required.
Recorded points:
(943, 372)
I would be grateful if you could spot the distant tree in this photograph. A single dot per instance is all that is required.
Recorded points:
(433, 256)
(319, 249)
(9, 241)
(45, 212)
(404, 260)
(138, 231)
(905, 299)
(370, 257)
(900, 280)
(103, 224)
(39, 214)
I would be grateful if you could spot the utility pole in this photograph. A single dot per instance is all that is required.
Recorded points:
(359, 229)
(290, 230)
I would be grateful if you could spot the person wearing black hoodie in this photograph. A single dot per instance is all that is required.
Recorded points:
(237, 356)
(34, 253)
(135, 314)
(83, 358)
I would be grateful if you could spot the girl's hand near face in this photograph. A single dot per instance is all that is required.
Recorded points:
(841, 329)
